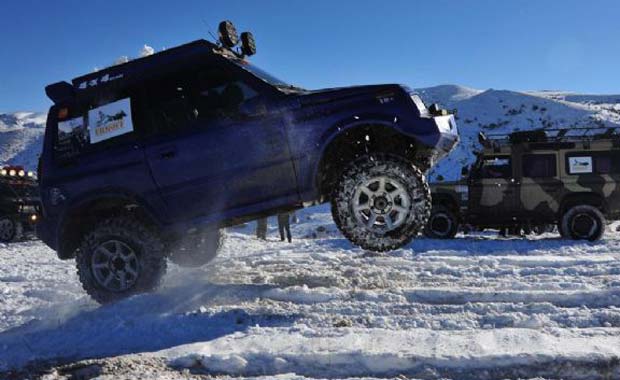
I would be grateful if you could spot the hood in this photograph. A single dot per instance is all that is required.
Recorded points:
(340, 93)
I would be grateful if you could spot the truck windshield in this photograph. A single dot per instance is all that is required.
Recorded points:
(262, 74)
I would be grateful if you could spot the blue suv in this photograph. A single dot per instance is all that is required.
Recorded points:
(145, 161)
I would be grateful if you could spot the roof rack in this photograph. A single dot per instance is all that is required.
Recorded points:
(551, 135)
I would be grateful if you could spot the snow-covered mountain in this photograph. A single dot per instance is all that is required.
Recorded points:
(491, 111)
(502, 111)
(21, 137)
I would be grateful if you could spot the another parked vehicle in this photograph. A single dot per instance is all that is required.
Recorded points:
(529, 180)
(19, 203)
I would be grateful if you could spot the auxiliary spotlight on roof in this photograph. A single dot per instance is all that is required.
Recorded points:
(248, 45)
(229, 39)
(228, 34)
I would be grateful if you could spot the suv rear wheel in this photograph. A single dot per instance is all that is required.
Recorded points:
(442, 224)
(380, 202)
(198, 249)
(583, 222)
(118, 258)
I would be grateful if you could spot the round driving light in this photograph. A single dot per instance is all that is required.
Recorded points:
(228, 34)
(3, 172)
(33, 217)
(30, 174)
(21, 173)
(248, 44)
(12, 172)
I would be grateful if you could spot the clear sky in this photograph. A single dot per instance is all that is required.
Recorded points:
(503, 44)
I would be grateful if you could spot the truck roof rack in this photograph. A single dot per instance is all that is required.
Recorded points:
(551, 135)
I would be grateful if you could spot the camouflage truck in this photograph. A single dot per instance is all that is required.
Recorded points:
(531, 179)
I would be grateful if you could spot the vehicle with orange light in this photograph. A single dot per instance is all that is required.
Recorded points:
(19, 203)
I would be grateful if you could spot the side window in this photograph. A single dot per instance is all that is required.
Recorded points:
(593, 163)
(539, 165)
(496, 167)
(168, 103)
(175, 102)
(219, 93)
(603, 164)
(93, 126)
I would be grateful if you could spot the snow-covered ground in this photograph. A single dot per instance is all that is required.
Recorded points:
(477, 307)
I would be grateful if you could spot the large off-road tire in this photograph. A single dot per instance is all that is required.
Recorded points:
(8, 229)
(11, 229)
(583, 222)
(198, 249)
(381, 202)
(442, 224)
(118, 258)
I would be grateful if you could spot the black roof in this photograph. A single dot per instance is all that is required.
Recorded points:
(133, 71)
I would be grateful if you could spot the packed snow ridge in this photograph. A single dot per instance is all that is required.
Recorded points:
(476, 307)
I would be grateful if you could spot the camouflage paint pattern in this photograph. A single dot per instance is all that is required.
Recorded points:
(493, 200)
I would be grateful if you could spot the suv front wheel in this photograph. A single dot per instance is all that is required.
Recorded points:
(583, 222)
(118, 258)
(381, 202)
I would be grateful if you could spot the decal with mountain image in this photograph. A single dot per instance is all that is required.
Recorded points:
(111, 120)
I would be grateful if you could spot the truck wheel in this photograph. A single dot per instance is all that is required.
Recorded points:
(583, 222)
(8, 229)
(118, 258)
(196, 250)
(380, 202)
(442, 224)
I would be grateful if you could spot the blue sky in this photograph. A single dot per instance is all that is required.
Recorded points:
(522, 45)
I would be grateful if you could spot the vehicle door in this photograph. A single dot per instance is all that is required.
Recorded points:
(218, 148)
(492, 188)
(539, 185)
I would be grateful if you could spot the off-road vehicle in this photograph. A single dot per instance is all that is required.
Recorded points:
(141, 157)
(19, 203)
(531, 179)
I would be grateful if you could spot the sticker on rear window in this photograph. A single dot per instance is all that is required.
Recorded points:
(111, 120)
(580, 165)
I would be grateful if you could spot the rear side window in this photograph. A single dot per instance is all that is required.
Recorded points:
(496, 167)
(84, 128)
(539, 165)
(593, 163)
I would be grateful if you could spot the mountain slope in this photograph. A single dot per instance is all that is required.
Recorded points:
(21, 137)
(502, 111)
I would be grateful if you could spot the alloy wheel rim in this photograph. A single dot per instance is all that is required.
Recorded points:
(381, 204)
(115, 266)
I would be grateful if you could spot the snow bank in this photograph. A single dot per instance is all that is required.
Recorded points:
(385, 353)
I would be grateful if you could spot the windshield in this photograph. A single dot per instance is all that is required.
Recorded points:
(262, 74)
